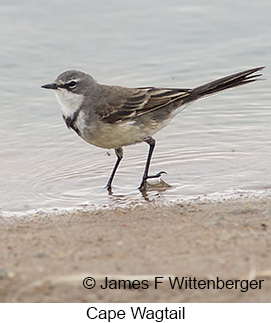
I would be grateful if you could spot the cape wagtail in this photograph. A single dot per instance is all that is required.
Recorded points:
(114, 116)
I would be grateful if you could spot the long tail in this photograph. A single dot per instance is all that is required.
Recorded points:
(225, 83)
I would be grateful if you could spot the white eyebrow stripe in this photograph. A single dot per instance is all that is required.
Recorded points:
(61, 82)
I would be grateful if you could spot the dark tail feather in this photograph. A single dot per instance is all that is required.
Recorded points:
(225, 83)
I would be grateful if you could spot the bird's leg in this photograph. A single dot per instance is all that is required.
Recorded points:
(119, 154)
(142, 186)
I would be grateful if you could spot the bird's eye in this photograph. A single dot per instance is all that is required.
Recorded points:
(72, 84)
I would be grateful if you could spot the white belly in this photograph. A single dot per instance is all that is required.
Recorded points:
(118, 135)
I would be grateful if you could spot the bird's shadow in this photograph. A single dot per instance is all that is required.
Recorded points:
(158, 187)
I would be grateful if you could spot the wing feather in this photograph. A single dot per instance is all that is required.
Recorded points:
(143, 100)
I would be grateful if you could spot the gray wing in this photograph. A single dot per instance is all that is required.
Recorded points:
(142, 101)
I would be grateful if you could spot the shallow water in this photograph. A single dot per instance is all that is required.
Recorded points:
(217, 147)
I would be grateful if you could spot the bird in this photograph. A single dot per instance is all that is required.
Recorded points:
(112, 116)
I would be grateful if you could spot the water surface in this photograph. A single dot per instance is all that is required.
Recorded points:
(217, 147)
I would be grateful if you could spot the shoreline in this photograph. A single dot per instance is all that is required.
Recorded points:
(45, 258)
(127, 202)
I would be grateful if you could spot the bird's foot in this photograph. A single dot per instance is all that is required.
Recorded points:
(143, 184)
(157, 175)
(109, 189)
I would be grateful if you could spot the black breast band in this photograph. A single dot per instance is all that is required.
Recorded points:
(70, 121)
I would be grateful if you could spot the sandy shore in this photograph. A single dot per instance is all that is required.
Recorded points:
(46, 258)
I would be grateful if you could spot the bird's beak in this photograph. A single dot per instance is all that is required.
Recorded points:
(51, 86)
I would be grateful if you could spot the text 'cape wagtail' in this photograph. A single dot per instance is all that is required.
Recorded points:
(114, 116)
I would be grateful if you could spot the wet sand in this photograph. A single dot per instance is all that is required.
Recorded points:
(44, 258)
